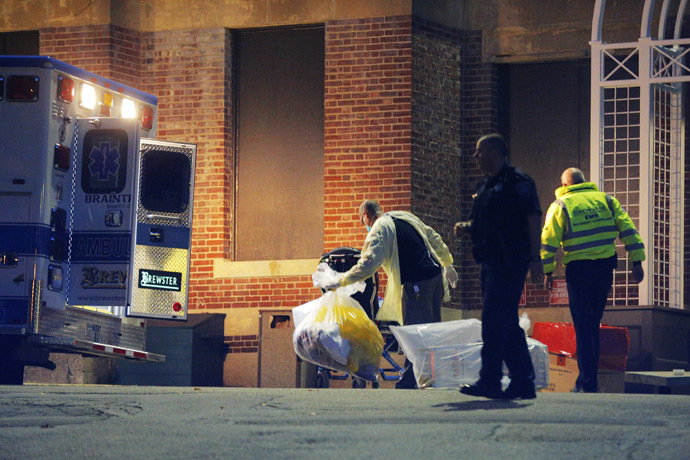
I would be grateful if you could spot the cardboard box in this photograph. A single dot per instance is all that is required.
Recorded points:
(563, 373)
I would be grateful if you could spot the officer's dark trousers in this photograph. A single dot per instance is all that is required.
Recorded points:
(420, 307)
(589, 282)
(504, 340)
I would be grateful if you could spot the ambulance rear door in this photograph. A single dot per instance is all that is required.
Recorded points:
(163, 230)
(101, 219)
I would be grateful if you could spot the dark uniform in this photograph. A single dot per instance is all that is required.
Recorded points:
(500, 234)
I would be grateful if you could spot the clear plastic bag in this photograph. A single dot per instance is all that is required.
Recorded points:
(448, 354)
(325, 275)
(336, 333)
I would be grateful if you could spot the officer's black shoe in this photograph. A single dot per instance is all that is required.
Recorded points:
(478, 389)
(520, 391)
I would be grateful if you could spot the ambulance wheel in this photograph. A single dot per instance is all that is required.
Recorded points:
(358, 383)
(322, 380)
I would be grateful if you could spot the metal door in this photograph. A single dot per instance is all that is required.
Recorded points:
(162, 234)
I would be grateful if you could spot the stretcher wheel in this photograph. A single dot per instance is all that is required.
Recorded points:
(322, 380)
(358, 383)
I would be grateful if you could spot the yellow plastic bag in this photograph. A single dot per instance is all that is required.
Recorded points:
(338, 335)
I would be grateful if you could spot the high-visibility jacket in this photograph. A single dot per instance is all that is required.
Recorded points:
(585, 223)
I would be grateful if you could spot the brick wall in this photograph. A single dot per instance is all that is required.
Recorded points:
(480, 109)
(192, 76)
(404, 104)
(189, 71)
(367, 122)
(107, 50)
(437, 131)
(87, 47)
(479, 99)
(407, 144)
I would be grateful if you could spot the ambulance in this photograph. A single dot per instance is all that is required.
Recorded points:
(95, 216)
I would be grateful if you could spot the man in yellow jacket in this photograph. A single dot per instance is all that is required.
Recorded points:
(417, 262)
(585, 223)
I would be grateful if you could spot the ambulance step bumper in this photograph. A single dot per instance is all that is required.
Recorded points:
(94, 348)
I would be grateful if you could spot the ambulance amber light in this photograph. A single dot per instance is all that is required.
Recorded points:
(65, 91)
(61, 157)
(88, 96)
(129, 110)
(23, 88)
(147, 117)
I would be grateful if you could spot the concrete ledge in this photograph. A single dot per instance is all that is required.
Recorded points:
(223, 268)
(658, 378)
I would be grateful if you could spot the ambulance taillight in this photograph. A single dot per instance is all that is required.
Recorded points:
(147, 117)
(22, 88)
(55, 278)
(61, 155)
(65, 89)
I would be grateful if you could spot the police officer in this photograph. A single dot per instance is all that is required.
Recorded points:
(585, 223)
(505, 225)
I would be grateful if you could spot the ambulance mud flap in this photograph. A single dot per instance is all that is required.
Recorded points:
(162, 234)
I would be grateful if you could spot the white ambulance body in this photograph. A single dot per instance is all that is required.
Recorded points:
(95, 216)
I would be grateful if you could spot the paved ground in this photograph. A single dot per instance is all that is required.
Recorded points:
(117, 422)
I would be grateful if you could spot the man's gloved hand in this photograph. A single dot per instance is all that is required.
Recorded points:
(331, 286)
(638, 272)
(462, 228)
(451, 275)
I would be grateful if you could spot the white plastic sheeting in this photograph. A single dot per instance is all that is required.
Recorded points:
(448, 354)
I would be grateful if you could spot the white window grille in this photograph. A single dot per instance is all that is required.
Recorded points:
(637, 148)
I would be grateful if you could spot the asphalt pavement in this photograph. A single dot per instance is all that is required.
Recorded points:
(75, 422)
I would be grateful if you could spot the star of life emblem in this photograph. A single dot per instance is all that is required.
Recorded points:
(105, 161)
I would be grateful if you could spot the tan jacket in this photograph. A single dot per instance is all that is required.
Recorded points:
(381, 250)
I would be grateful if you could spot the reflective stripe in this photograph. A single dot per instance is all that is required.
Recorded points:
(609, 202)
(591, 231)
(632, 247)
(567, 216)
(628, 232)
(589, 244)
(549, 248)
(548, 261)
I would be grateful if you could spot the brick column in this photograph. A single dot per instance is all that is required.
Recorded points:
(480, 116)
(367, 122)
(437, 130)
